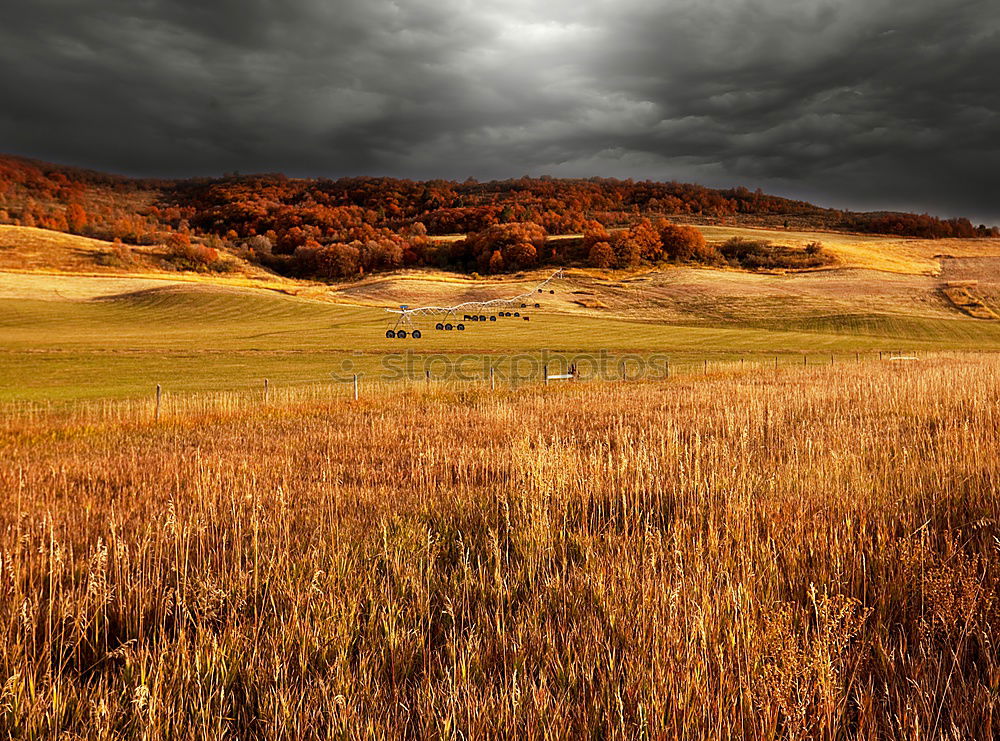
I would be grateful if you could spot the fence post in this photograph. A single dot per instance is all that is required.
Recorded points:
(704, 366)
(355, 387)
(831, 358)
(545, 374)
(879, 354)
(159, 392)
(667, 366)
(493, 383)
(622, 367)
(857, 357)
(266, 390)
(776, 362)
(427, 377)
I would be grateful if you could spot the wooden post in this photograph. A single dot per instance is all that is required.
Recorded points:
(427, 377)
(545, 374)
(741, 362)
(831, 358)
(667, 366)
(857, 357)
(493, 383)
(879, 354)
(776, 362)
(355, 387)
(704, 366)
(621, 365)
(805, 359)
(159, 393)
(266, 390)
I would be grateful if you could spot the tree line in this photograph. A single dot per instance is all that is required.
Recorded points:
(341, 228)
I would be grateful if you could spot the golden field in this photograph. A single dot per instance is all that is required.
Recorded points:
(800, 553)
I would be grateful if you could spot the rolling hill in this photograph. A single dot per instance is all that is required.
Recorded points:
(71, 329)
(110, 310)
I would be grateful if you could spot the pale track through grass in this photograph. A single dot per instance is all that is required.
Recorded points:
(801, 553)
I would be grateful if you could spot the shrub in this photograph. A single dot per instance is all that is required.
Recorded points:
(382, 254)
(119, 256)
(188, 256)
(496, 263)
(260, 245)
(337, 260)
(756, 254)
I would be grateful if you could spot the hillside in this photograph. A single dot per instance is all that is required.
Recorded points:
(171, 301)
(348, 228)
(66, 335)
(41, 251)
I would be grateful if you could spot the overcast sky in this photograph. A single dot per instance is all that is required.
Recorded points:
(850, 103)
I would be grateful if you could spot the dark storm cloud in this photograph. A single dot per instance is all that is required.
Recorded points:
(863, 103)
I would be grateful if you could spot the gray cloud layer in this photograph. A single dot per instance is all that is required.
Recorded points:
(859, 103)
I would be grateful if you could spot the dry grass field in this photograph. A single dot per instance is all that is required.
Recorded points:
(30, 253)
(801, 553)
(24, 248)
(904, 255)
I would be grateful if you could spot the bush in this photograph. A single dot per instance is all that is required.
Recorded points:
(333, 261)
(757, 254)
(188, 256)
(260, 245)
(119, 256)
(496, 263)
(382, 254)
(706, 254)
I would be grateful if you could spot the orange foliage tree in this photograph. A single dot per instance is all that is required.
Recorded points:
(601, 255)
(518, 244)
(686, 244)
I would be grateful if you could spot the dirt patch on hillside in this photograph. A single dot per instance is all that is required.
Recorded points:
(590, 303)
(962, 295)
(979, 278)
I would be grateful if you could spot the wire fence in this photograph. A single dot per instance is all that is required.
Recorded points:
(163, 403)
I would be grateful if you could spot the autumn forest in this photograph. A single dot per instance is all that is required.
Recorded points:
(337, 229)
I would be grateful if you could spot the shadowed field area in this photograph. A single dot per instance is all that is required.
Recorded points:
(793, 554)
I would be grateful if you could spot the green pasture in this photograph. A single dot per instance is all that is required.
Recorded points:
(202, 340)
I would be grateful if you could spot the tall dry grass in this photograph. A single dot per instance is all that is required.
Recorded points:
(810, 553)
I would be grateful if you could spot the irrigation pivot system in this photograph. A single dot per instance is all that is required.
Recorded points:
(455, 317)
